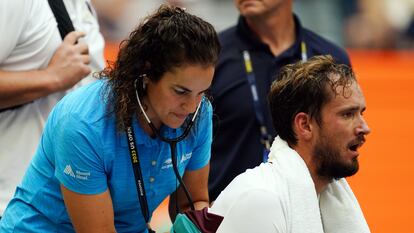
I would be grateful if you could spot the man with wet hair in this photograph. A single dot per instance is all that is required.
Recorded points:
(268, 36)
(317, 108)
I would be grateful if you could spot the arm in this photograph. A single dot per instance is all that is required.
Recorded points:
(76, 143)
(89, 213)
(197, 184)
(68, 66)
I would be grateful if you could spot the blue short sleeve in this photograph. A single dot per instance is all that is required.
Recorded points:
(203, 138)
(79, 162)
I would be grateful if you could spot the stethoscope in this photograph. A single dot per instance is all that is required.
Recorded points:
(172, 142)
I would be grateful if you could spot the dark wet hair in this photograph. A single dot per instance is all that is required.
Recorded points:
(305, 87)
(167, 39)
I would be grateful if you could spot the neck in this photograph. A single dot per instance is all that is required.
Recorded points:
(306, 154)
(276, 30)
(144, 125)
(143, 121)
(320, 182)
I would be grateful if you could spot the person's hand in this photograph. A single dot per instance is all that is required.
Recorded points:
(69, 63)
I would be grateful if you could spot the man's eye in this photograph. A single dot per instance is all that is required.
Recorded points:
(348, 114)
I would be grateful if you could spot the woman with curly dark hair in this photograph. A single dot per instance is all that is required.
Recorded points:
(113, 150)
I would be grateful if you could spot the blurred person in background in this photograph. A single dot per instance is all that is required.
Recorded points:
(118, 17)
(317, 108)
(267, 36)
(110, 12)
(36, 70)
(380, 24)
(324, 17)
(113, 150)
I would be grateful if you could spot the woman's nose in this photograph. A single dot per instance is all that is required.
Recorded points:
(191, 103)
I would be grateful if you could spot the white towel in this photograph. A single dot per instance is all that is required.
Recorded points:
(338, 207)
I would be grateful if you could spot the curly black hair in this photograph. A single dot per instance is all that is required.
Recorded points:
(165, 40)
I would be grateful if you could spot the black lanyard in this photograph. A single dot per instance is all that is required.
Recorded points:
(265, 138)
(139, 181)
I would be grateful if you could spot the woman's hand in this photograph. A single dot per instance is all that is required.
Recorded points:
(197, 184)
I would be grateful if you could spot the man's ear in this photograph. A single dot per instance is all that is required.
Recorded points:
(303, 126)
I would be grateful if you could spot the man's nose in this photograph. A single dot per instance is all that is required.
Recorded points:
(363, 127)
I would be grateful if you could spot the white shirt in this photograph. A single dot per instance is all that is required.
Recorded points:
(29, 40)
(253, 203)
(280, 197)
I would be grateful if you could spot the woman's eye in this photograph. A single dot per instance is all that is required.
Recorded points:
(180, 92)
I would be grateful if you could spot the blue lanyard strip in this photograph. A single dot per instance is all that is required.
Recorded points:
(251, 77)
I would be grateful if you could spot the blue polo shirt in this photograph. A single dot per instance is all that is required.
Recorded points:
(82, 149)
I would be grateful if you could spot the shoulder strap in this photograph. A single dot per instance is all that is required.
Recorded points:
(64, 25)
(62, 17)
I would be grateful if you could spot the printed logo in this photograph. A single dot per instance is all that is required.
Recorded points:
(81, 175)
(68, 171)
(167, 164)
(186, 157)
